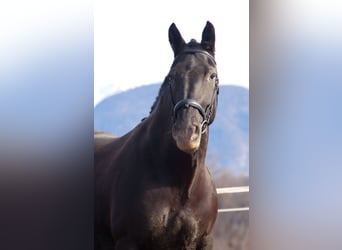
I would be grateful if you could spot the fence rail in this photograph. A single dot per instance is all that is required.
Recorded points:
(232, 190)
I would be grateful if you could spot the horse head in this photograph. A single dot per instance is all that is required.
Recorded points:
(193, 86)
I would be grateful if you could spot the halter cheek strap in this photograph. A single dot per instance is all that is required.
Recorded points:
(197, 51)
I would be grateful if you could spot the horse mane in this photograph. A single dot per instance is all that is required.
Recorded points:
(156, 99)
(158, 96)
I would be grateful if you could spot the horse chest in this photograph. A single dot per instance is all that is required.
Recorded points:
(170, 225)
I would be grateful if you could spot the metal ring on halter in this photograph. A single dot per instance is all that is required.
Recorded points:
(204, 126)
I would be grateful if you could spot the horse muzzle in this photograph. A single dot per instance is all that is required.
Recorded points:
(187, 130)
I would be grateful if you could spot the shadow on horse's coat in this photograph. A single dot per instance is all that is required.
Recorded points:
(152, 188)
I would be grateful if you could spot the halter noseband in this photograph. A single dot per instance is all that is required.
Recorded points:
(187, 103)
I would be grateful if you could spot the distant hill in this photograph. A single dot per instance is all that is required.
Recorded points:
(229, 134)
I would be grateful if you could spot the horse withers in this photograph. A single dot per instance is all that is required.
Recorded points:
(152, 188)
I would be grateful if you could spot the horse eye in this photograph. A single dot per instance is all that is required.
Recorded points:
(213, 76)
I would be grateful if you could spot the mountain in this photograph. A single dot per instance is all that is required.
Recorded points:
(229, 134)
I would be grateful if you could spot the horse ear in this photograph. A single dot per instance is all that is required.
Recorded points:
(208, 38)
(175, 39)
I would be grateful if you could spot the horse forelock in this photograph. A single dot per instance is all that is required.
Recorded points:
(193, 44)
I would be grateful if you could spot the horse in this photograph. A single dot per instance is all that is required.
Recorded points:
(152, 187)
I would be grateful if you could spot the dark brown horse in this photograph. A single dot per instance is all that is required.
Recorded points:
(153, 190)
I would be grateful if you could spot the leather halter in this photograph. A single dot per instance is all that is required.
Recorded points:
(187, 103)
